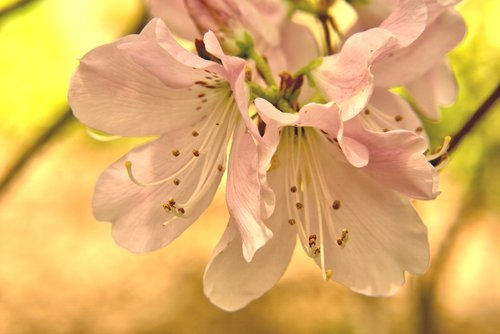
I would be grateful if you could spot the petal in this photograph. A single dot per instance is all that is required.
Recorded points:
(157, 51)
(346, 77)
(112, 93)
(231, 283)
(243, 193)
(384, 235)
(355, 152)
(437, 87)
(190, 177)
(389, 111)
(407, 21)
(429, 49)
(292, 36)
(176, 16)
(397, 160)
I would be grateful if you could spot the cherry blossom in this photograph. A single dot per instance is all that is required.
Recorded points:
(148, 85)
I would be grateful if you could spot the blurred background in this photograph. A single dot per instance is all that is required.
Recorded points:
(61, 272)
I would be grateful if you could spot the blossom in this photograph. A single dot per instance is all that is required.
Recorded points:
(345, 192)
(346, 77)
(421, 66)
(148, 85)
(265, 20)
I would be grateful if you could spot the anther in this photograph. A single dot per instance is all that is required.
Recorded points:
(171, 201)
(336, 204)
(176, 153)
(220, 168)
(343, 238)
(195, 133)
(291, 221)
(177, 182)
(312, 240)
(181, 211)
(398, 118)
(419, 129)
(367, 111)
(196, 153)
(317, 250)
(328, 274)
(299, 205)
(166, 207)
(293, 189)
(386, 130)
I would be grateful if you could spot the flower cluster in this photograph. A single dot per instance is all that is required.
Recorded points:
(320, 147)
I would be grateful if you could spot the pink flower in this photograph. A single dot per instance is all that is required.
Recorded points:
(148, 85)
(265, 20)
(421, 67)
(344, 191)
(346, 77)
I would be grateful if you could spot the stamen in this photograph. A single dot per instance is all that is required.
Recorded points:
(293, 189)
(299, 205)
(128, 166)
(398, 118)
(176, 153)
(195, 133)
(441, 150)
(171, 201)
(181, 211)
(336, 204)
(291, 221)
(167, 207)
(220, 168)
(177, 182)
(196, 153)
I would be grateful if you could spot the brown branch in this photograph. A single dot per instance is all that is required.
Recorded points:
(15, 6)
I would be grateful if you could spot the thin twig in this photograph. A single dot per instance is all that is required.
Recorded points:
(14, 7)
(478, 115)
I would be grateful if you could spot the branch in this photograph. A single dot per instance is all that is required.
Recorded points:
(478, 115)
(14, 7)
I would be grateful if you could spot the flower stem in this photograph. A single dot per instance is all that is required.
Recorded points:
(262, 66)
(476, 117)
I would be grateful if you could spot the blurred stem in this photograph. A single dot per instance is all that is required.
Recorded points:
(14, 7)
(476, 117)
(34, 148)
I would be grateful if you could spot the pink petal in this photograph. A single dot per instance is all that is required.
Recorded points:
(243, 194)
(175, 15)
(137, 212)
(397, 160)
(113, 93)
(231, 283)
(346, 77)
(294, 35)
(389, 111)
(427, 51)
(437, 87)
(385, 235)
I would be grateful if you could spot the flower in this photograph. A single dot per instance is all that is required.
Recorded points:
(264, 20)
(148, 85)
(421, 66)
(345, 192)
